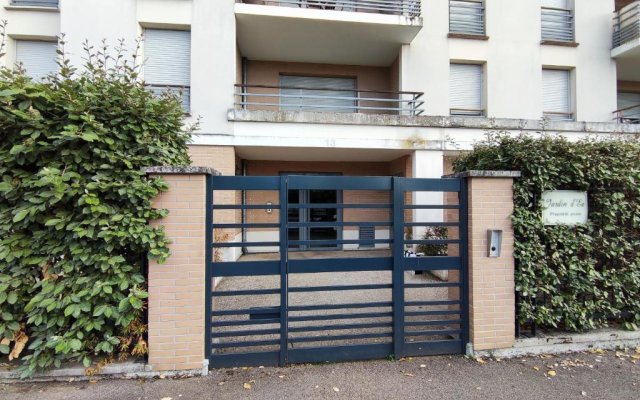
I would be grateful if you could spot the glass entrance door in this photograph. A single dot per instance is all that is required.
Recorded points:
(316, 215)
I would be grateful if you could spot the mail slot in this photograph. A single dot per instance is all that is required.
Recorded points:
(256, 313)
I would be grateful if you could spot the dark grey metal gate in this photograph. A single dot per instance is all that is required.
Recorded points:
(279, 307)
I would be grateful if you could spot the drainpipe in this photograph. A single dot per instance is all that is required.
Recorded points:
(245, 72)
(243, 213)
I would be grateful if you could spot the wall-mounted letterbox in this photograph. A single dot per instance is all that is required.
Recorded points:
(495, 242)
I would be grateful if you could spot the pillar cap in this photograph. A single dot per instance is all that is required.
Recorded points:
(183, 170)
(485, 174)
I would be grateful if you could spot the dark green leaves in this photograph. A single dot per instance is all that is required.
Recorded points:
(75, 209)
(582, 277)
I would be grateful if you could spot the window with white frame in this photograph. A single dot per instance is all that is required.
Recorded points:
(38, 58)
(467, 17)
(167, 65)
(557, 21)
(556, 94)
(466, 87)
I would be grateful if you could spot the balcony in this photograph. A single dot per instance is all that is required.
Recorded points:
(628, 115)
(34, 3)
(626, 32)
(338, 100)
(557, 26)
(355, 32)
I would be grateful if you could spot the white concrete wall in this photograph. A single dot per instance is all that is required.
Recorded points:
(514, 59)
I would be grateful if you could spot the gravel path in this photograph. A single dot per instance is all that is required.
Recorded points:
(578, 376)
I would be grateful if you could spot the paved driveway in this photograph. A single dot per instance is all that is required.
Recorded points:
(578, 376)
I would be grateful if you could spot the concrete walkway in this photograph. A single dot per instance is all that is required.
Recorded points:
(591, 375)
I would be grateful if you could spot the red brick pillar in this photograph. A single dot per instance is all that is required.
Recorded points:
(177, 287)
(491, 280)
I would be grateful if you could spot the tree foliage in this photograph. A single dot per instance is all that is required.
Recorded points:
(572, 277)
(75, 207)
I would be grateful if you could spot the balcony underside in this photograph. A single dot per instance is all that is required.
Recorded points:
(628, 58)
(322, 36)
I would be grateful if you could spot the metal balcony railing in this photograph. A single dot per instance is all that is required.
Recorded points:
(467, 17)
(409, 8)
(628, 115)
(557, 25)
(286, 98)
(35, 3)
(626, 25)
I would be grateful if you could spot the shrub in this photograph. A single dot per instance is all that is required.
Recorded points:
(572, 277)
(434, 233)
(75, 208)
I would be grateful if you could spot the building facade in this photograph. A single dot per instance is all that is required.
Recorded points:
(357, 87)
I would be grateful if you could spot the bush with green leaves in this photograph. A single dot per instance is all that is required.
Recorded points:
(75, 208)
(572, 277)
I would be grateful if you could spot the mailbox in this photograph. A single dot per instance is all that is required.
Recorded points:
(495, 243)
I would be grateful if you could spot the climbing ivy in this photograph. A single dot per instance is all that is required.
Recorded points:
(75, 208)
(572, 277)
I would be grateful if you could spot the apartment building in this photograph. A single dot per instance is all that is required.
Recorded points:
(358, 87)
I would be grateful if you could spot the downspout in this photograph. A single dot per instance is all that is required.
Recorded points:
(243, 89)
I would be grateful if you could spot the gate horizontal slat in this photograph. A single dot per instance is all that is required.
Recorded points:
(337, 288)
(231, 360)
(435, 347)
(248, 343)
(245, 322)
(432, 263)
(433, 333)
(254, 332)
(339, 337)
(339, 327)
(226, 293)
(432, 323)
(341, 265)
(337, 353)
(246, 182)
(330, 317)
(341, 205)
(378, 304)
(302, 182)
(431, 185)
(318, 243)
(246, 268)
(247, 311)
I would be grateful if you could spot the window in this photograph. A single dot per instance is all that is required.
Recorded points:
(465, 90)
(168, 62)
(556, 94)
(311, 93)
(35, 3)
(466, 17)
(38, 58)
(557, 21)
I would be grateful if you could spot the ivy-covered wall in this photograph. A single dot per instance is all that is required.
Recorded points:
(572, 277)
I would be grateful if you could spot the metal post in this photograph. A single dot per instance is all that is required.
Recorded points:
(208, 264)
(284, 260)
(464, 260)
(398, 267)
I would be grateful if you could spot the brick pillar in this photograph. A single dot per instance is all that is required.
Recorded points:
(177, 287)
(491, 280)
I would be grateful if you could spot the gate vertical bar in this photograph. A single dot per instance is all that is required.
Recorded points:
(464, 259)
(398, 267)
(284, 260)
(208, 264)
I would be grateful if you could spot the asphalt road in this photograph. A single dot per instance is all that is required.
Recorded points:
(591, 375)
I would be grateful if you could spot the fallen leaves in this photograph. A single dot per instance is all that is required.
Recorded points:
(480, 360)
(247, 386)
(551, 373)
(21, 340)
(335, 389)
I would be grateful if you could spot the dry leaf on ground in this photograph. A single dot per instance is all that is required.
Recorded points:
(20, 341)
(335, 389)
(247, 386)
(551, 373)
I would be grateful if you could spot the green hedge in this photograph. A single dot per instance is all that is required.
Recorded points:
(75, 207)
(574, 278)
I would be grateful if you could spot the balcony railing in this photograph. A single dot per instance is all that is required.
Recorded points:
(557, 25)
(626, 25)
(628, 115)
(466, 17)
(35, 3)
(409, 8)
(289, 98)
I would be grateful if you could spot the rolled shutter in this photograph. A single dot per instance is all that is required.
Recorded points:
(167, 57)
(556, 94)
(337, 95)
(465, 89)
(38, 58)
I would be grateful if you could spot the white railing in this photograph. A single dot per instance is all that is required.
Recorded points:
(410, 8)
